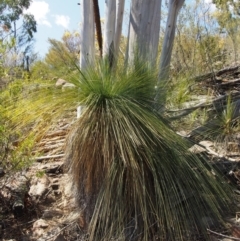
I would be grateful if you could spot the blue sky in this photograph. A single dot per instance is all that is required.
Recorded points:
(56, 16)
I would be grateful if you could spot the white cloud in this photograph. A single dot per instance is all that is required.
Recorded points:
(39, 9)
(62, 20)
(212, 6)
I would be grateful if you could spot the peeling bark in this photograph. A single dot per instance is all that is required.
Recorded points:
(174, 8)
(87, 34)
(109, 31)
(119, 21)
(144, 28)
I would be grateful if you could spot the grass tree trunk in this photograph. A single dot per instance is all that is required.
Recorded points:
(119, 21)
(144, 28)
(87, 34)
(98, 25)
(109, 31)
(174, 7)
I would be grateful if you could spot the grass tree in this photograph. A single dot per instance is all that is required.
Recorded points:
(98, 25)
(133, 177)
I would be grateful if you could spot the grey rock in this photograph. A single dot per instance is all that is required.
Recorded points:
(206, 143)
(68, 85)
(60, 82)
(197, 149)
(40, 223)
(39, 187)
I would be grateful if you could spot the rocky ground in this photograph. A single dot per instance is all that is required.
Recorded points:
(37, 204)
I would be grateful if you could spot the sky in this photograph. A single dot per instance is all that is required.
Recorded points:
(53, 18)
(56, 16)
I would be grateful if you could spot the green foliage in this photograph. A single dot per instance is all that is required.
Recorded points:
(16, 24)
(229, 23)
(5, 47)
(15, 153)
(199, 48)
(228, 124)
(40, 174)
(230, 5)
(17, 139)
(129, 168)
(222, 127)
(179, 91)
(12, 10)
(63, 56)
(41, 70)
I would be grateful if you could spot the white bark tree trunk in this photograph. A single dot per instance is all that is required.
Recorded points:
(109, 30)
(87, 48)
(119, 21)
(174, 8)
(144, 28)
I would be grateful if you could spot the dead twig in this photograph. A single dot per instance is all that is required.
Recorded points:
(222, 235)
(41, 158)
(218, 73)
(55, 235)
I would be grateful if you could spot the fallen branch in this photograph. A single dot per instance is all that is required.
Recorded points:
(218, 73)
(222, 235)
(55, 235)
(41, 158)
(217, 103)
(56, 133)
(187, 111)
(50, 147)
(229, 69)
(230, 82)
(213, 153)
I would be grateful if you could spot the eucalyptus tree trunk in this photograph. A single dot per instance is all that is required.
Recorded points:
(144, 28)
(118, 31)
(87, 48)
(109, 30)
(166, 53)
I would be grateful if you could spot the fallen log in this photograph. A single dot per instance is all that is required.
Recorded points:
(218, 104)
(217, 73)
(230, 82)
